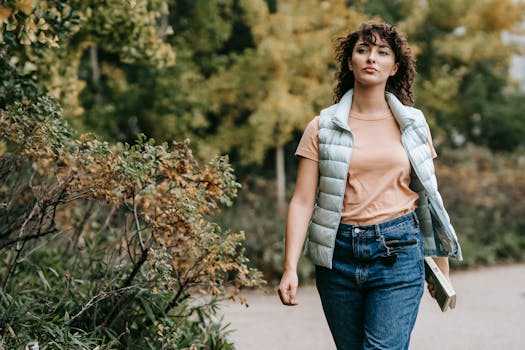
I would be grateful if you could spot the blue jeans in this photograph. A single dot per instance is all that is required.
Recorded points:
(371, 295)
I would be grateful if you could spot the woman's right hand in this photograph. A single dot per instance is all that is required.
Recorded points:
(288, 288)
(299, 214)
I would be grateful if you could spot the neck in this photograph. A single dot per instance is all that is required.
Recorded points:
(369, 100)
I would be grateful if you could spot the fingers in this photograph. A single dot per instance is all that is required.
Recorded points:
(431, 290)
(287, 294)
(291, 294)
(288, 288)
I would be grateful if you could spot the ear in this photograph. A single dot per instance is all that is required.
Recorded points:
(394, 69)
(349, 62)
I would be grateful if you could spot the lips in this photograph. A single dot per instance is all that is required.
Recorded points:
(369, 69)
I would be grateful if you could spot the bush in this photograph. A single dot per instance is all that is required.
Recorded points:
(255, 212)
(111, 246)
(483, 193)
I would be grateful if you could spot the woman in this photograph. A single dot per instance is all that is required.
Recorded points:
(366, 166)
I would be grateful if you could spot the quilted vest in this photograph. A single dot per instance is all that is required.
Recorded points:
(335, 151)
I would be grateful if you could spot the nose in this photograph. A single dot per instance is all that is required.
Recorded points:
(371, 56)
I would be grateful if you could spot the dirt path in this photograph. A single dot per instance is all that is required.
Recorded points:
(490, 314)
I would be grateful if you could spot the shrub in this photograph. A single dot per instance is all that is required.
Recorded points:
(111, 245)
(255, 212)
(483, 192)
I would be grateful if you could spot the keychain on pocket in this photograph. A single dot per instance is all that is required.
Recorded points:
(389, 258)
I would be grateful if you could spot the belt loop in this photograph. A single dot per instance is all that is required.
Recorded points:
(377, 230)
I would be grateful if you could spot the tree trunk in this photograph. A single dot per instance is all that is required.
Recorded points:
(281, 181)
(95, 71)
(164, 23)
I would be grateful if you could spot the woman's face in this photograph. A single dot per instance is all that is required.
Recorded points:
(372, 64)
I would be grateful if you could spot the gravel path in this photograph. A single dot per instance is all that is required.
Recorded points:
(490, 314)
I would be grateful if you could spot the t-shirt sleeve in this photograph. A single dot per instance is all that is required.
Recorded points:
(309, 145)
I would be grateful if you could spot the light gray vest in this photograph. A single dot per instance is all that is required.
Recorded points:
(335, 151)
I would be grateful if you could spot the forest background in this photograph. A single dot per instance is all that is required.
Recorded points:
(147, 152)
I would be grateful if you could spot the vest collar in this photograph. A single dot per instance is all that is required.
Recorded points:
(402, 114)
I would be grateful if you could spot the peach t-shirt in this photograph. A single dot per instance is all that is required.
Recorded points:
(377, 187)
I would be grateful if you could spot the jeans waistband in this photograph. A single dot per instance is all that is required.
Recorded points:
(376, 229)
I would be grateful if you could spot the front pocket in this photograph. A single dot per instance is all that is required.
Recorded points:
(393, 244)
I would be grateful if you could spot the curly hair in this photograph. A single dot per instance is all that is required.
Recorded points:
(400, 84)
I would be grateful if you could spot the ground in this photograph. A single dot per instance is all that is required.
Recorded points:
(490, 314)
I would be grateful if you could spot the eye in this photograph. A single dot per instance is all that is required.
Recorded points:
(361, 50)
(384, 52)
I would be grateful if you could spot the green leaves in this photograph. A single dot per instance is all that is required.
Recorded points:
(116, 239)
(463, 62)
(46, 284)
(45, 40)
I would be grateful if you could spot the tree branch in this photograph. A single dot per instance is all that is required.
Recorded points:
(121, 302)
(8, 243)
(98, 298)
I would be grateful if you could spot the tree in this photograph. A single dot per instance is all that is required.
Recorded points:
(169, 103)
(46, 40)
(282, 84)
(245, 80)
(392, 11)
(463, 62)
(102, 245)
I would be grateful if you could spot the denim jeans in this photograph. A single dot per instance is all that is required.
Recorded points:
(371, 295)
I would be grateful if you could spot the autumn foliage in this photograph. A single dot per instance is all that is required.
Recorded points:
(484, 192)
(121, 237)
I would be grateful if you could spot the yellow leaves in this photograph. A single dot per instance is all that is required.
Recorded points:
(183, 245)
(446, 85)
(4, 14)
(115, 76)
(211, 182)
(256, 16)
(475, 47)
(479, 180)
(29, 67)
(447, 14)
(42, 24)
(288, 73)
(26, 6)
(42, 38)
(489, 16)
(43, 30)
(28, 29)
(494, 15)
